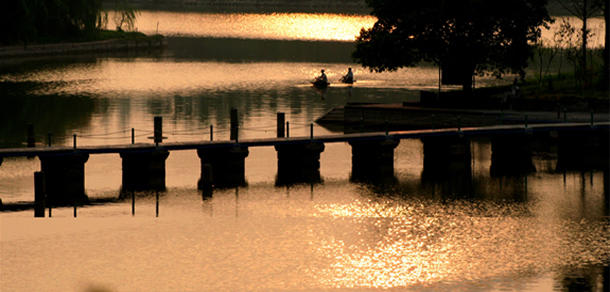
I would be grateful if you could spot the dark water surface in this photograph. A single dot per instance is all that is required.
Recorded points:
(461, 229)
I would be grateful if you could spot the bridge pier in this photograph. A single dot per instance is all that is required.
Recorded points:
(227, 165)
(298, 163)
(373, 160)
(65, 178)
(447, 162)
(511, 154)
(143, 171)
(583, 150)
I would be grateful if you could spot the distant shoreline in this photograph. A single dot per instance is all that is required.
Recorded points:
(260, 3)
(59, 49)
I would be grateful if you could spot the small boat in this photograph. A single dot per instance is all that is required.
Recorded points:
(320, 83)
(347, 80)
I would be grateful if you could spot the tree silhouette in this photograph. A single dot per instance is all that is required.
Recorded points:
(464, 37)
(48, 20)
(583, 10)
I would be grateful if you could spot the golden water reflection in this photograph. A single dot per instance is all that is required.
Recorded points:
(426, 243)
(297, 26)
(282, 26)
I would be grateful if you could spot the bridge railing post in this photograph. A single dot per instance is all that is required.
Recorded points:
(158, 136)
(280, 124)
(502, 117)
(311, 126)
(387, 128)
(31, 139)
(234, 124)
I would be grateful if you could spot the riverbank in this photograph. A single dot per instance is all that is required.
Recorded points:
(141, 42)
(482, 107)
(259, 3)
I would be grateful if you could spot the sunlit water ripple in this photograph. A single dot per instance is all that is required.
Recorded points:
(538, 232)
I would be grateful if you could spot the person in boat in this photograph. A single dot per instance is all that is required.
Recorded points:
(349, 77)
(322, 79)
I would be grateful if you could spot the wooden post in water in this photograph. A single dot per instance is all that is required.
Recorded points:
(133, 203)
(311, 127)
(39, 194)
(206, 181)
(234, 124)
(158, 130)
(280, 124)
(31, 140)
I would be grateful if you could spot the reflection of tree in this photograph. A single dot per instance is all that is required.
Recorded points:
(60, 115)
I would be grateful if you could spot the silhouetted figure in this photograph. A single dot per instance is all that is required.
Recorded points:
(322, 79)
(321, 84)
(513, 93)
(349, 77)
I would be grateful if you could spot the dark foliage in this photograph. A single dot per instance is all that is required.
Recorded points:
(29, 21)
(482, 36)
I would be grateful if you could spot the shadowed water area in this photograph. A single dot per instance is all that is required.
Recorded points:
(434, 226)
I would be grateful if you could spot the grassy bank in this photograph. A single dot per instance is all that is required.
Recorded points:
(132, 36)
(564, 86)
(104, 41)
(556, 92)
(102, 35)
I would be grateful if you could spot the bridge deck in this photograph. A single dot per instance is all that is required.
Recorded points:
(145, 147)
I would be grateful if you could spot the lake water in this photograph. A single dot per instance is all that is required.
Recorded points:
(540, 231)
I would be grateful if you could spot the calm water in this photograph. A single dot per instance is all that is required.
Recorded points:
(543, 231)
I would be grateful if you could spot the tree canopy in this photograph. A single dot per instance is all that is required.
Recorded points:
(35, 20)
(461, 36)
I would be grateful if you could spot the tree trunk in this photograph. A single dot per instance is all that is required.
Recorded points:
(467, 86)
(606, 75)
(583, 65)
